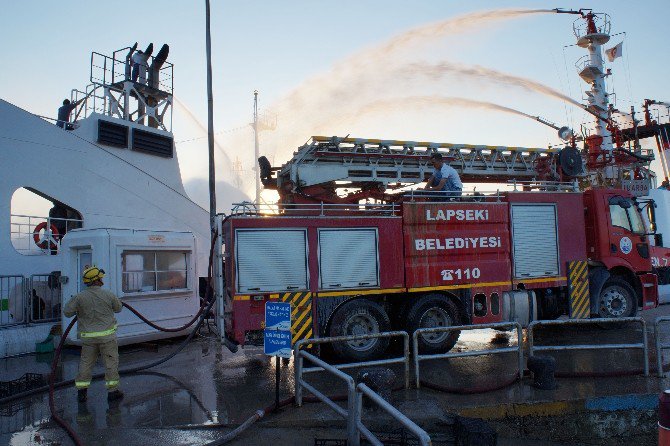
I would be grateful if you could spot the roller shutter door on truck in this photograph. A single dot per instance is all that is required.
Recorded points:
(271, 260)
(535, 240)
(348, 258)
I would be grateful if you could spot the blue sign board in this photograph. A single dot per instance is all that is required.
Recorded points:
(278, 343)
(278, 316)
(278, 329)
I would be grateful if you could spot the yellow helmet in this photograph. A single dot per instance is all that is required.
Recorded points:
(92, 273)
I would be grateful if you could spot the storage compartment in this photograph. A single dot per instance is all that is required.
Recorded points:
(271, 260)
(348, 258)
(534, 240)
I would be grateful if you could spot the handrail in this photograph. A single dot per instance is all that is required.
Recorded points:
(659, 346)
(322, 209)
(499, 325)
(353, 438)
(362, 389)
(299, 370)
(533, 348)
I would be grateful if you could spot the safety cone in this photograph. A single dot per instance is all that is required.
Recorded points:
(664, 419)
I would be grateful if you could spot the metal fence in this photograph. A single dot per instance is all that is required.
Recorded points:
(503, 325)
(404, 359)
(29, 300)
(362, 389)
(354, 410)
(349, 414)
(532, 348)
(659, 345)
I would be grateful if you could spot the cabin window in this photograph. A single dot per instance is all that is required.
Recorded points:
(38, 222)
(626, 218)
(147, 271)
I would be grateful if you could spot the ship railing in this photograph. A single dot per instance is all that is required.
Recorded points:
(315, 209)
(35, 235)
(584, 62)
(601, 20)
(93, 101)
(44, 298)
(12, 300)
(29, 300)
(114, 71)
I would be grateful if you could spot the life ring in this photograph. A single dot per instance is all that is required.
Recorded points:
(45, 241)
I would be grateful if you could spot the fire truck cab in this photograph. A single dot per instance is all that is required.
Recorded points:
(513, 256)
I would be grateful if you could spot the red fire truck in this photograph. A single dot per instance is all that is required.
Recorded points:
(367, 261)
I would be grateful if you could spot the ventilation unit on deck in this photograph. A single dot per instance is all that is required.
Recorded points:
(152, 143)
(112, 134)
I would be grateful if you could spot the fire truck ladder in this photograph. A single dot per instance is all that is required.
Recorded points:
(356, 161)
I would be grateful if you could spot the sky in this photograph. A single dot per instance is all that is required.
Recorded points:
(333, 68)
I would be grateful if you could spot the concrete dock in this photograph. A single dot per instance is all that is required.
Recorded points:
(206, 391)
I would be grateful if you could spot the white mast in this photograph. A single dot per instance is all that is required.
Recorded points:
(593, 31)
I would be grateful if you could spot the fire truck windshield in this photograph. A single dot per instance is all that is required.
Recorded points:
(627, 218)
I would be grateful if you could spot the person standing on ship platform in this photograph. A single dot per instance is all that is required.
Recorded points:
(96, 327)
(444, 178)
(64, 112)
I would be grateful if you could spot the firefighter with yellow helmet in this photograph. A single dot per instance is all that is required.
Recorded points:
(96, 327)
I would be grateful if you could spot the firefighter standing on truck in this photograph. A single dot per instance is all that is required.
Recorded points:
(96, 327)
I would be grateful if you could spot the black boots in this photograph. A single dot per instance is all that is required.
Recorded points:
(114, 395)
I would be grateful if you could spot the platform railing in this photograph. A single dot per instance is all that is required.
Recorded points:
(532, 347)
(404, 359)
(660, 346)
(317, 209)
(518, 349)
(363, 390)
(353, 438)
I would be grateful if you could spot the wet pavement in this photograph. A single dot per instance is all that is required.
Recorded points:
(206, 390)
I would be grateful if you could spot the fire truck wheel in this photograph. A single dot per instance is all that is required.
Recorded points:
(617, 299)
(360, 317)
(433, 311)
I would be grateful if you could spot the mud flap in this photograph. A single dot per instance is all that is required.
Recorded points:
(578, 288)
(597, 278)
(649, 291)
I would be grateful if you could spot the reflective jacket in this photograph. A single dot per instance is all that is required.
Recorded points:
(95, 310)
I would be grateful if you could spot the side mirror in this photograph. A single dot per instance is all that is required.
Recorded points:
(658, 239)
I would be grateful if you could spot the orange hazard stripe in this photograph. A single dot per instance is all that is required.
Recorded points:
(362, 292)
(456, 287)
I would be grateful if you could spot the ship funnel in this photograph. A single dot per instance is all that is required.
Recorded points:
(565, 133)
